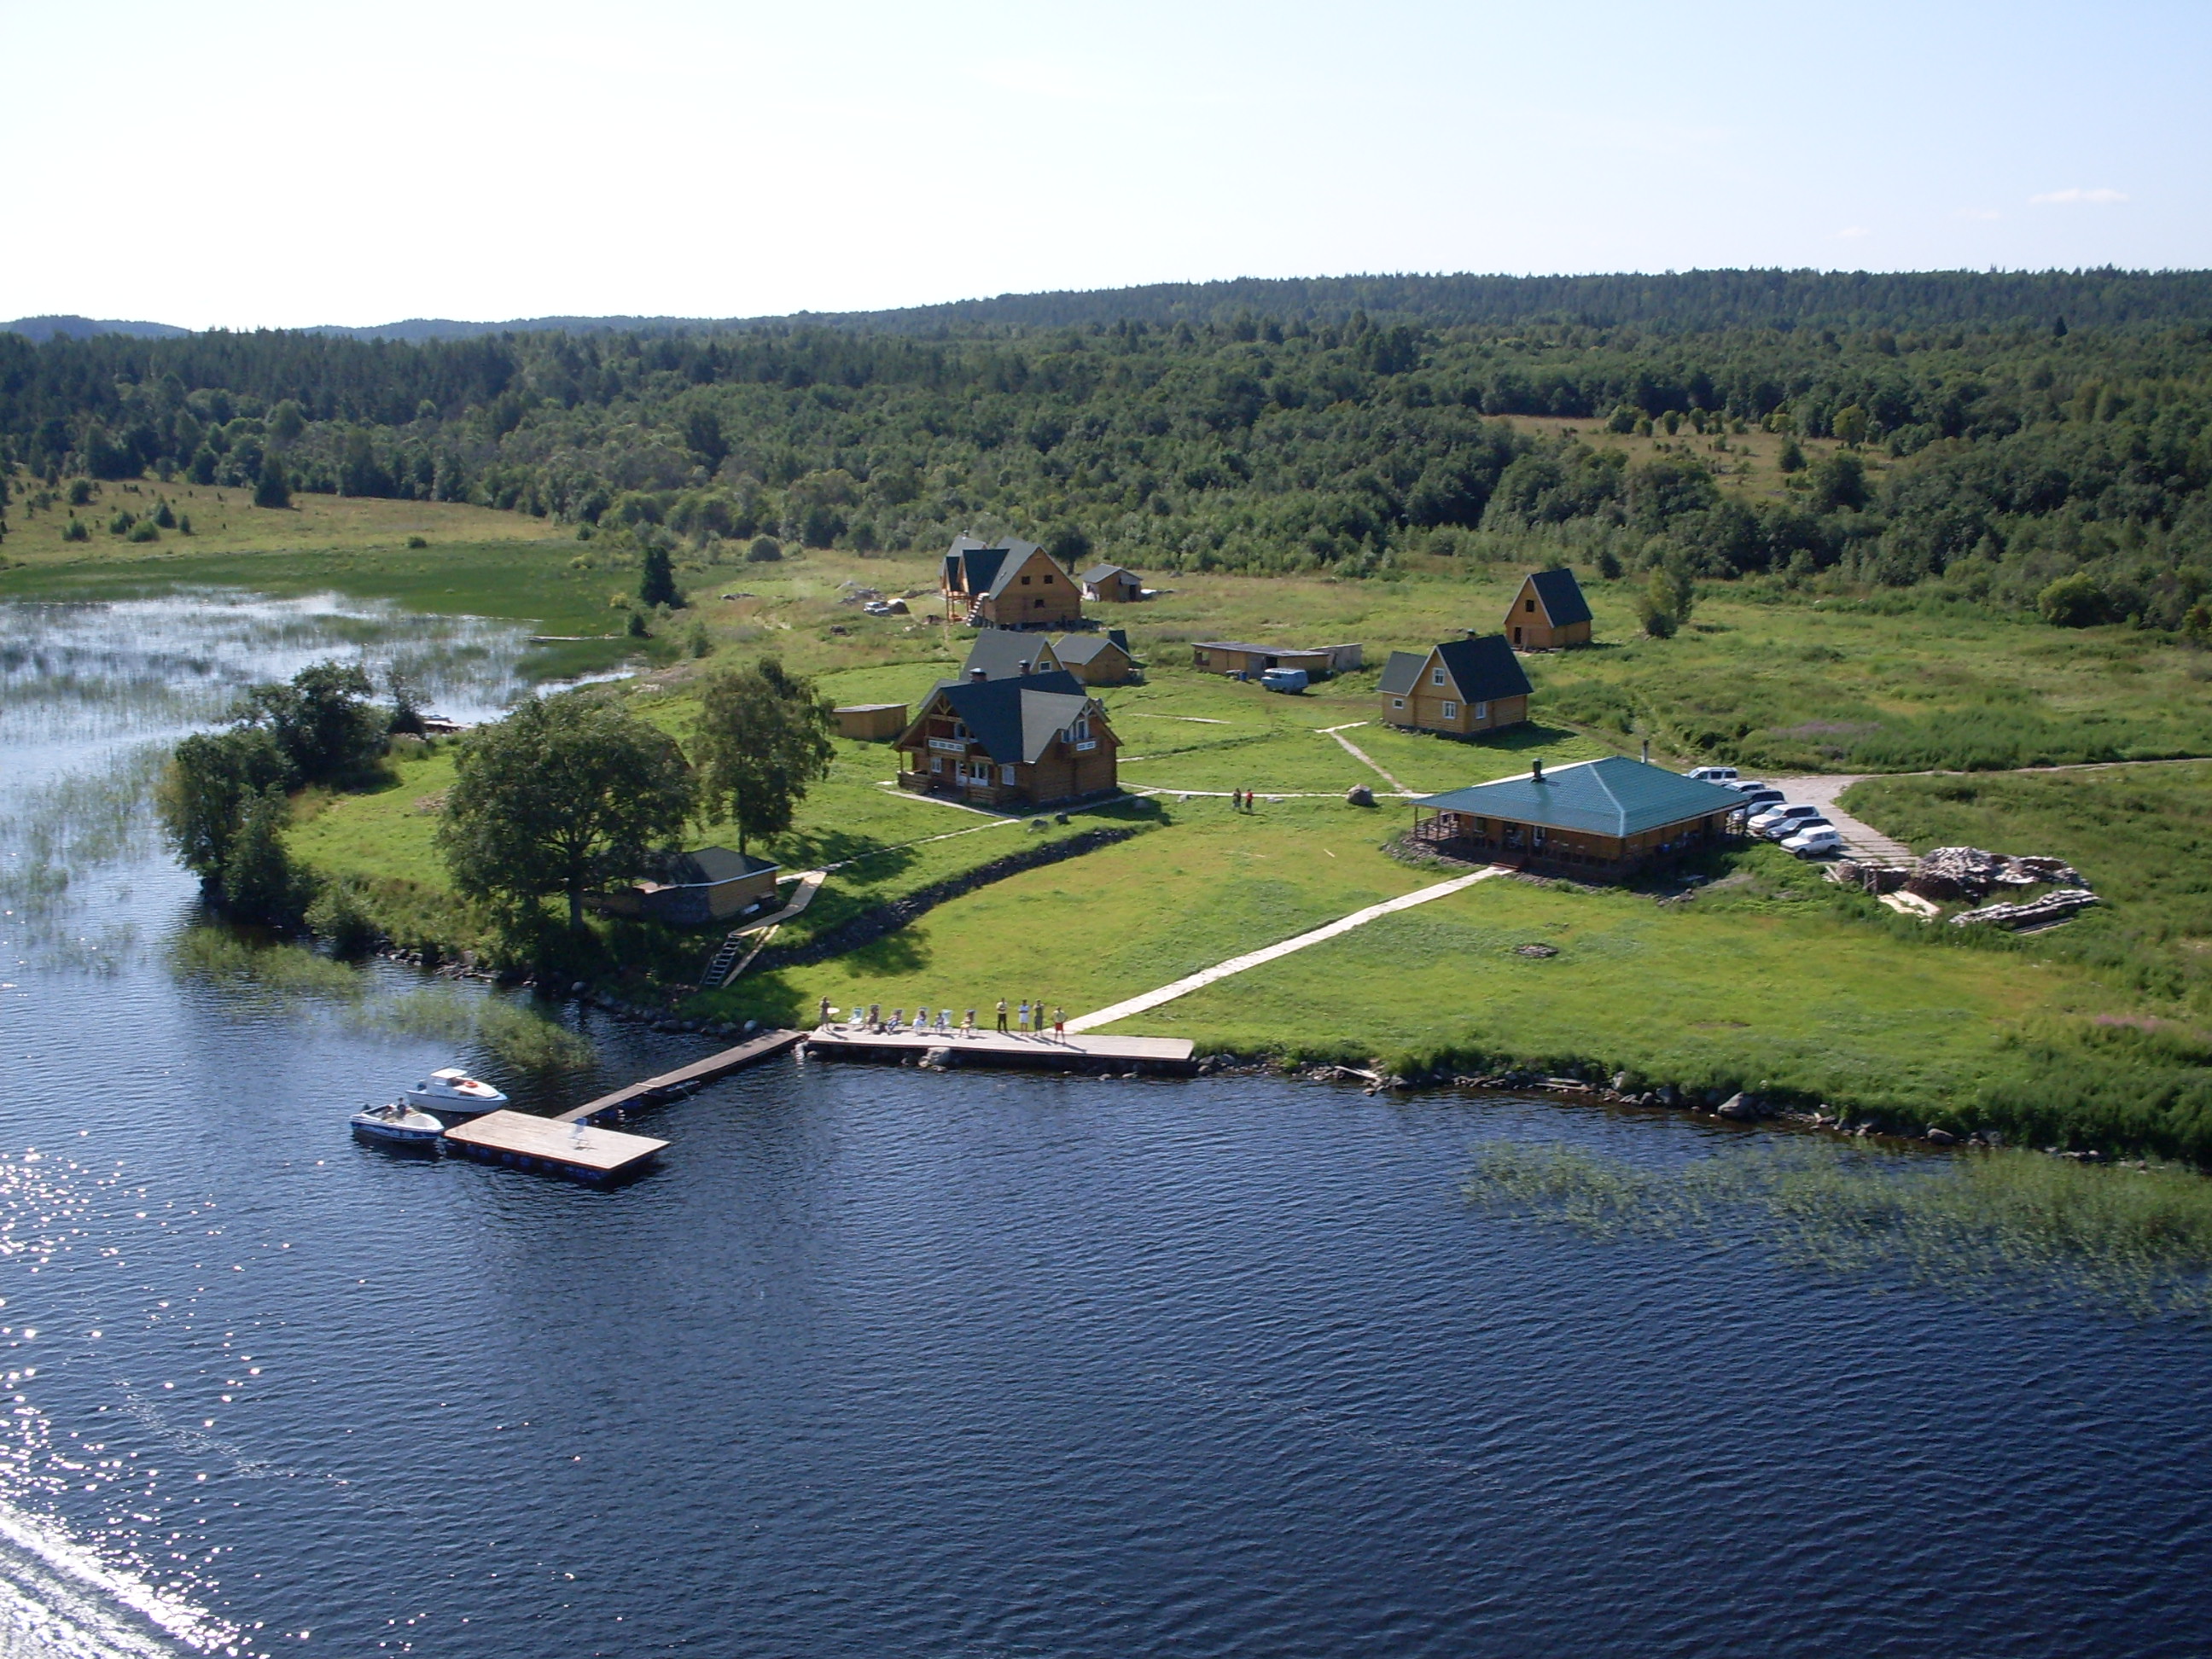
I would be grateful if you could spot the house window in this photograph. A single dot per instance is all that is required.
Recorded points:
(1048, 581)
(936, 764)
(1037, 604)
(1080, 731)
(1451, 711)
(1482, 711)
(1007, 776)
(1025, 581)
(1397, 702)
(1436, 676)
(1531, 606)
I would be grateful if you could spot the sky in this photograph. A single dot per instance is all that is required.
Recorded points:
(240, 164)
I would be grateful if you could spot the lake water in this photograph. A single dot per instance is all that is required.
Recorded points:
(894, 1363)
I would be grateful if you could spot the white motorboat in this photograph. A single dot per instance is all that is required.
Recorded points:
(399, 1123)
(452, 1092)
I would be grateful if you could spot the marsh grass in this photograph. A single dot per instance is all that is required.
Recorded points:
(2132, 1239)
(217, 956)
(517, 1036)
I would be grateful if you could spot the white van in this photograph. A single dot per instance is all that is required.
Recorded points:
(1715, 773)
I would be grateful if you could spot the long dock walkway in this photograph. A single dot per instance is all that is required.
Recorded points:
(1157, 1054)
(685, 1079)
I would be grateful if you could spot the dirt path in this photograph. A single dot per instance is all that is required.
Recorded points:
(1361, 755)
(1205, 976)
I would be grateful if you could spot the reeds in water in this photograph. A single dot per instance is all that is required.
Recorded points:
(2129, 1238)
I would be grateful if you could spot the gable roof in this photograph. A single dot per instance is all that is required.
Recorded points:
(1615, 796)
(1016, 720)
(1485, 669)
(1084, 648)
(710, 867)
(1562, 596)
(1001, 652)
(972, 568)
(1100, 573)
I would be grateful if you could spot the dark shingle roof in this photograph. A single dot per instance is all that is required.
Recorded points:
(1101, 573)
(1016, 720)
(983, 569)
(1615, 796)
(1485, 669)
(1562, 596)
(710, 867)
(1082, 647)
(1001, 652)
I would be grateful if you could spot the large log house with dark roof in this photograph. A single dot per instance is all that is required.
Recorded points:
(1606, 819)
(1026, 741)
(1459, 687)
(1009, 584)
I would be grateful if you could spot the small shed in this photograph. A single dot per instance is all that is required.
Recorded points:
(1548, 612)
(690, 889)
(1112, 583)
(1239, 657)
(871, 722)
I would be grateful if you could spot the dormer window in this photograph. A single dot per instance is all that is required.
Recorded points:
(1080, 731)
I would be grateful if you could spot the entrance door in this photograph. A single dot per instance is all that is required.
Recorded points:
(1516, 635)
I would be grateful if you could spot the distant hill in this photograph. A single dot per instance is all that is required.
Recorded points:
(1693, 301)
(84, 328)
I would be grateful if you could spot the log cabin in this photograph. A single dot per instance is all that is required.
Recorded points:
(1460, 688)
(1548, 613)
(1098, 658)
(1605, 818)
(1029, 741)
(1009, 584)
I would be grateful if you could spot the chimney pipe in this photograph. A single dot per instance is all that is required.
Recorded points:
(1536, 770)
(978, 675)
(1025, 665)
(1647, 751)
(1473, 634)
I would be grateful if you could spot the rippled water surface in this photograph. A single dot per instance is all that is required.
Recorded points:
(896, 1363)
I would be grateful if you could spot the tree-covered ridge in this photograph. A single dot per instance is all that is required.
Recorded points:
(2023, 454)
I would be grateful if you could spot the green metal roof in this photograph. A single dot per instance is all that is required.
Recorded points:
(1615, 796)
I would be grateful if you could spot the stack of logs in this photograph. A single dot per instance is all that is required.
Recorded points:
(1952, 875)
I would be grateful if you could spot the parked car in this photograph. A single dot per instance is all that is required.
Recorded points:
(1283, 679)
(1757, 800)
(1818, 841)
(1785, 820)
(1714, 773)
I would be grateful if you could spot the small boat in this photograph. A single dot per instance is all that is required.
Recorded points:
(398, 1123)
(452, 1092)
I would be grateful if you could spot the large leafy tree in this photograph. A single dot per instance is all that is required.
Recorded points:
(204, 791)
(321, 719)
(564, 793)
(763, 737)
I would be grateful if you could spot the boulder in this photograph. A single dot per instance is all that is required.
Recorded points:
(1743, 1107)
(1360, 795)
(1940, 1138)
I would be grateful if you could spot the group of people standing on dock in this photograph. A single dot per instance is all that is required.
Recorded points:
(1027, 1017)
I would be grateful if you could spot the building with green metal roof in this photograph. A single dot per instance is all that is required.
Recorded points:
(1610, 817)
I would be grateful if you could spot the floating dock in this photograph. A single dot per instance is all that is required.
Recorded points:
(551, 1146)
(1160, 1056)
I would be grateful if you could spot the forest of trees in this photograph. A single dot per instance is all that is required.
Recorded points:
(2042, 428)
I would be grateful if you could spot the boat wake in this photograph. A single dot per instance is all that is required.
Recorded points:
(59, 1600)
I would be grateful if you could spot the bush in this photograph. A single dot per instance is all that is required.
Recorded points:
(765, 549)
(340, 915)
(418, 541)
(121, 523)
(74, 531)
(144, 531)
(2074, 601)
(272, 489)
(80, 491)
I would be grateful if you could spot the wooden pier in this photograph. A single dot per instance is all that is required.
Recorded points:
(1160, 1056)
(549, 1145)
(685, 1078)
(574, 1145)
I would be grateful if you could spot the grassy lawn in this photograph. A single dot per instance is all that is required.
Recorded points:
(2141, 835)
(1766, 990)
